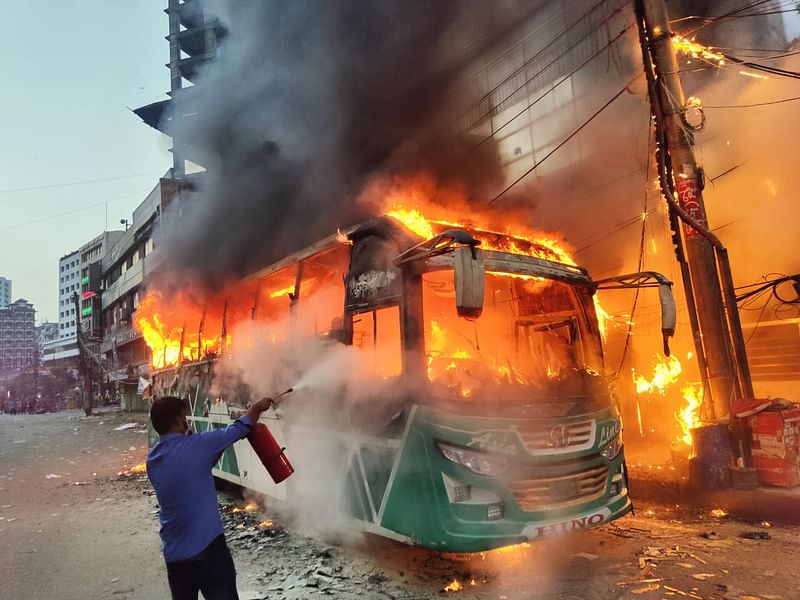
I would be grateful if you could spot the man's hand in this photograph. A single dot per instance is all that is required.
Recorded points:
(257, 408)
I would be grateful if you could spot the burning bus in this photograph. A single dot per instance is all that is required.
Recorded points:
(486, 418)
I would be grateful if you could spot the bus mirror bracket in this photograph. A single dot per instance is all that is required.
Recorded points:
(468, 274)
(666, 298)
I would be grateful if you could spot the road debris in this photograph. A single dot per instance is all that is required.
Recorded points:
(682, 593)
(648, 588)
(125, 426)
(755, 535)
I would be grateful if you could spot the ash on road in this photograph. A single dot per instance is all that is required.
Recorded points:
(71, 528)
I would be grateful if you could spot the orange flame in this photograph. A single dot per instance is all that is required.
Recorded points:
(453, 586)
(249, 507)
(695, 50)
(283, 292)
(687, 416)
(665, 373)
(176, 329)
(342, 238)
(134, 470)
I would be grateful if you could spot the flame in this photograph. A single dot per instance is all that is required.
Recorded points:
(687, 416)
(163, 338)
(512, 548)
(695, 50)
(282, 292)
(342, 238)
(266, 524)
(453, 586)
(249, 507)
(414, 220)
(719, 513)
(186, 327)
(134, 470)
(665, 373)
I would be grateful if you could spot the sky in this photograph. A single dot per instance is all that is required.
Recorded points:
(72, 70)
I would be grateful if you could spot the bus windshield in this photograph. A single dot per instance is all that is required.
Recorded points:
(529, 337)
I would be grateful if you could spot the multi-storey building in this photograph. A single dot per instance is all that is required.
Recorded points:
(125, 267)
(17, 336)
(92, 254)
(65, 346)
(69, 272)
(5, 292)
(194, 36)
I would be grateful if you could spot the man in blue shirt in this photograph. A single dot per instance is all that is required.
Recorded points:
(179, 468)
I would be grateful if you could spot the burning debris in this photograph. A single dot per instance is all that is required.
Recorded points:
(249, 507)
(134, 471)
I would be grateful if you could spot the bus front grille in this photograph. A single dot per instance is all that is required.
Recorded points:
(545, 493)
(570, 437)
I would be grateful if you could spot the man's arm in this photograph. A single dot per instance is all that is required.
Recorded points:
(216, 441)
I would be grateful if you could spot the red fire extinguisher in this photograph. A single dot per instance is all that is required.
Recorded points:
(270, 452)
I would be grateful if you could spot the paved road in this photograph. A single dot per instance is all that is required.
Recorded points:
(71, 529)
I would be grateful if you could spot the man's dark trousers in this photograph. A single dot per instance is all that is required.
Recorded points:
(211, 572)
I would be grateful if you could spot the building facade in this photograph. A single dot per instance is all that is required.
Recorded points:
(91, 283)
(17, 337)
(5, 292)
(65, 346)
(131, 258)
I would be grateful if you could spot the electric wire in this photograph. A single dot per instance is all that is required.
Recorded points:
(536, 55)
(72, 211)
(613, 230)
(733, 14)
(641, 256)
(553, 87)
(753, 105)
(561, 144)
(71, 183)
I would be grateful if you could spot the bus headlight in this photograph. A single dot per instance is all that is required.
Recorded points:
(612, 448)
(477, 462)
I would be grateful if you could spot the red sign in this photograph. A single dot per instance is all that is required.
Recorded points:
(88, 295)
(687, 196)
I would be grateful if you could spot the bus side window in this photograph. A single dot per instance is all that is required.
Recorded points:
(377, 335)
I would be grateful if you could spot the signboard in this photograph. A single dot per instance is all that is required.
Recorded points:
(687, 197)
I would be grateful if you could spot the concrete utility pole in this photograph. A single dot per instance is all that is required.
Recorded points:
(688, 181)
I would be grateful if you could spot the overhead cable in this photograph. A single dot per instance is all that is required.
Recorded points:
(561, 144)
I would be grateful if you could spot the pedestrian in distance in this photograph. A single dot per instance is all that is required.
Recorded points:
(179, 468)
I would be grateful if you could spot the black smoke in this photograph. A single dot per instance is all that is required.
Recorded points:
(307, 102)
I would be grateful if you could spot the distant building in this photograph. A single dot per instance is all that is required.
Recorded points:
(5, 292)
(91, 271)
(45, 333)
(17, 336)
(65, 346)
